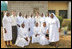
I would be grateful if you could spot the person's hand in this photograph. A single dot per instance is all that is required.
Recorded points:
(36, 35)
(26, 38)
(59, 29)
(47, 32)
(29, 29)
(47, 37)
(5, 30)
(18, 25)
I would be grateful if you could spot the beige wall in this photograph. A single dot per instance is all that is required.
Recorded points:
(44, 6)
(27, 7)
(57, 5)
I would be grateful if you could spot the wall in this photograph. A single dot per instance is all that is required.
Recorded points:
(27, 7)
(57, 5)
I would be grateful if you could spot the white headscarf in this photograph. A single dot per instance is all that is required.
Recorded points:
(54, 16)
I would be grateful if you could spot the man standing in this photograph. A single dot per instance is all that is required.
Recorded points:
(14, 27)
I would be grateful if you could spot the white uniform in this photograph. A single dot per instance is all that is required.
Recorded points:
(37, 19)
(34, 38)
(32, 24)
(54, 25)
(21, 38)
(19, 21)
(7, 25)
(43, 39)
(42, 19)
(47, 20)
(14, 20)
(27, 23)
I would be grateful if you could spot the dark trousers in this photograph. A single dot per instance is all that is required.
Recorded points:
(14, 34)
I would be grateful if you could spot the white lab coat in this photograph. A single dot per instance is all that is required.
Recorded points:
(7, 25)
(32, 24)
(23, 33)
(43, 39)
(34, 38)
(54, 25)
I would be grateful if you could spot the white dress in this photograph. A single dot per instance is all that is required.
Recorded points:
(42, 19)
(7, 25)
(20, 20)
(32, 24)
(37, 19)
(27, 24)
(43, 39)
(47, 20)
(21, 38)
(34, 38)
(54, 25)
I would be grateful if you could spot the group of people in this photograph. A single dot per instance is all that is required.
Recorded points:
(42, 29)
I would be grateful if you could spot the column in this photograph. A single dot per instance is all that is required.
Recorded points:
(69, 9)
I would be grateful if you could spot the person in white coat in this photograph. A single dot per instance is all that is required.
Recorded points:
(36, 34)
(44, 40)
(19, 21)
(54, 29)
(23, 38)
(7, 30)
(32, 24)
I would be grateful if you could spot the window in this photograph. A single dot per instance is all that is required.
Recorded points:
(63, 13)
(51, 11)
